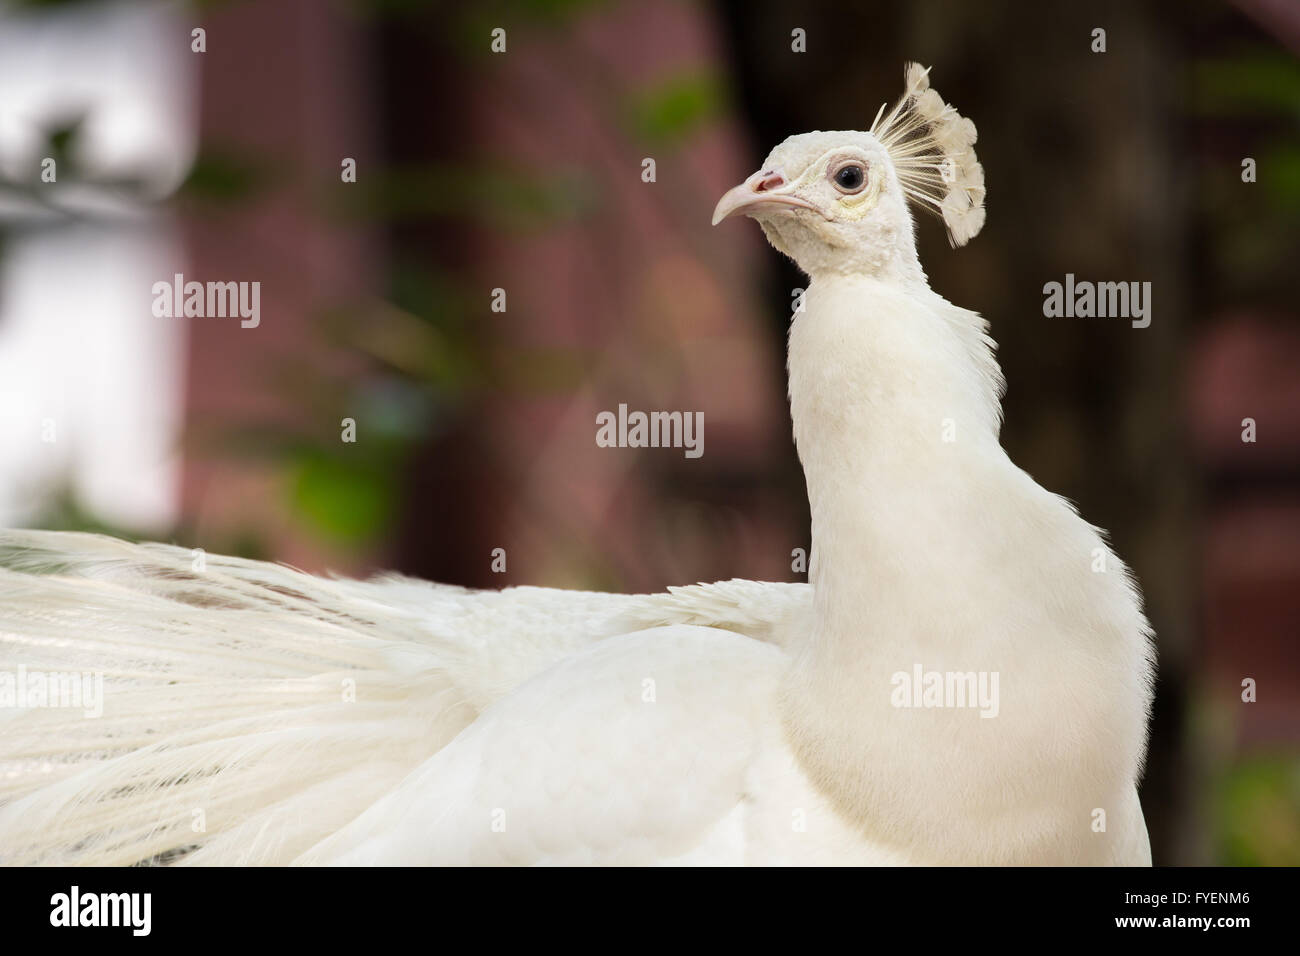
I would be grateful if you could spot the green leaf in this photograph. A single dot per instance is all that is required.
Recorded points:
(222, 177)
(674, 109)
(347, 502)
(1259, 819)
(1254, 84)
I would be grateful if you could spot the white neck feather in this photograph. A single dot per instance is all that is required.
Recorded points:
(893, 391)
(928, 545)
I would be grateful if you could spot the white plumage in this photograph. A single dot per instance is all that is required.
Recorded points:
(324, 721)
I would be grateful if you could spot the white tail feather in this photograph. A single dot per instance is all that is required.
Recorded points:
(251, 710)
(225, 707)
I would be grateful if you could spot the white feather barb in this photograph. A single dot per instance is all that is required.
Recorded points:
(246, 710)
(932, 147)
(249, 710)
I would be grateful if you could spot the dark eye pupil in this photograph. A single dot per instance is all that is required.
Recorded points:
(850, 177)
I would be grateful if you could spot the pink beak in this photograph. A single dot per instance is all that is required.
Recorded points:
(760, 191)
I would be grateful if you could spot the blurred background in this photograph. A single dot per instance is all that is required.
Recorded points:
(220, 155)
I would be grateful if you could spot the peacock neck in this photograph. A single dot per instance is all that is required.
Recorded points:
(933, 554)
(894, 395)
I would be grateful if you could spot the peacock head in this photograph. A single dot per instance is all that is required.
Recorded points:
(837, 201)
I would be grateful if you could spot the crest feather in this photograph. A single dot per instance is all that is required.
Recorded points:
(932, 146)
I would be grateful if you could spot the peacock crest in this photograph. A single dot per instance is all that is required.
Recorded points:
(932, 148)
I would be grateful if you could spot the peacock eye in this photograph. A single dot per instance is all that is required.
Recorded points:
(849, 178)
